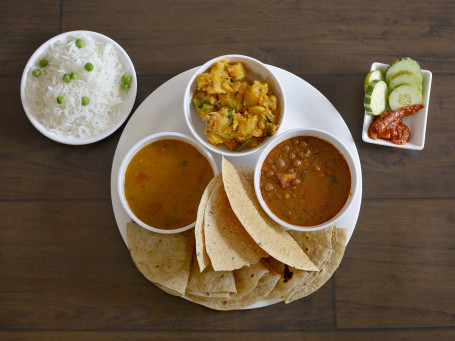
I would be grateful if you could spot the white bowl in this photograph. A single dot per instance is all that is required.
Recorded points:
(33, 62)
(130, 154)
(355, 175)
(256, 71)
(417, 123)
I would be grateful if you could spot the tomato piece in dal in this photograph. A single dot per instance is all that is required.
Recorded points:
(305, 181)
(164, 183)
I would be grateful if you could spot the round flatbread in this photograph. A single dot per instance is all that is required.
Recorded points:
(326, 271)
(201, 252)
(255, 295)
(317, 245)
(209, 282)
(164, 259)
(270, 236)
(229, 246)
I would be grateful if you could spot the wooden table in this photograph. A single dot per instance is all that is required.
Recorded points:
(65, 273)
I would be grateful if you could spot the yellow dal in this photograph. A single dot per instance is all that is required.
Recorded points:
(164, 183)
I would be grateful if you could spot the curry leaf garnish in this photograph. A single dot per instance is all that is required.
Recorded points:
(244, 144)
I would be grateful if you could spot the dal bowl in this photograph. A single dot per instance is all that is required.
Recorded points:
(161, 181)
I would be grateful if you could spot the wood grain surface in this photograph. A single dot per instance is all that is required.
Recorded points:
(65, 273)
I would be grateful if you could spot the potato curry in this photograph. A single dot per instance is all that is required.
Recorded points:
(238, 113)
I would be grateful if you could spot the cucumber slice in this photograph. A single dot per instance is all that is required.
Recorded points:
(403, 95)
(405, 77)
(375, 100)
(373, 75)
(403, 64)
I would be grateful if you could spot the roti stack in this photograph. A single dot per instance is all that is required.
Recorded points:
(270, 236)
(228, 244)
(236, 255)
(164, 259)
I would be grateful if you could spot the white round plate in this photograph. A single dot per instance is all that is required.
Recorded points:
(127, 107)
(162, 111)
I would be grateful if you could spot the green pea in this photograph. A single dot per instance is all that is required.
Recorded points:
(126, 79)
(85, 100)
(73, 75)
(124, 86)
(60, 99)
(79, 43)
(67, 78)
(89, 67)
(43, 62)
(36, 73)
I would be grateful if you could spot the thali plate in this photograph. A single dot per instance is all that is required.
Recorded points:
(162, 111)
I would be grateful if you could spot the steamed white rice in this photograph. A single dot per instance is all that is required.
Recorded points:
(101, 86)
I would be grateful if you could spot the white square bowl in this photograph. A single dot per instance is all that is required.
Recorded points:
(417, 123)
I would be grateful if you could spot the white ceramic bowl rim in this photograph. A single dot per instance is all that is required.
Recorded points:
(322, 135)
(273, 82)
(128, 106)
(129, 155)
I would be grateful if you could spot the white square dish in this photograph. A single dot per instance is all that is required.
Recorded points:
(417, 123)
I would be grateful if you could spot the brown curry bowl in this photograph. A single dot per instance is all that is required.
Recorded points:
(290, 197)
(133, 152)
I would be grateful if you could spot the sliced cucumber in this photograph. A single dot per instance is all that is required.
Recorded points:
(403, 95)
(373, 75)
(403, 64)
(375, 101)
(405, 77)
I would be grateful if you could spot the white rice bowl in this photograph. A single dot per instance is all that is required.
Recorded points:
(71, 122)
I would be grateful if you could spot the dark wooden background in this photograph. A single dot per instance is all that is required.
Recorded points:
(65, 272)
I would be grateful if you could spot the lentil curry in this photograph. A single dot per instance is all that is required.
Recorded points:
(164, 183)
(305, 181)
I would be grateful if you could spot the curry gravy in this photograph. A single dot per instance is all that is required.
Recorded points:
(305, 181)
(164, 183)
